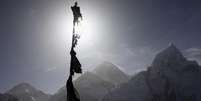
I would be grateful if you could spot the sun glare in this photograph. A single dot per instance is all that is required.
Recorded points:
(87, 29)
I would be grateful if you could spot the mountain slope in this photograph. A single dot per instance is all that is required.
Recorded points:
(60, 95)
(111, 73)
(26, 92)
(171, 77)
(7, 97)
(90, 87)
(135, 90)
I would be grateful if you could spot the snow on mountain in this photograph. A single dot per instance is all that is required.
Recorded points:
(135, 90)
(60, 95)
(111, 73)
(94, 85)
(90, 87)
(26, 92)
(171, 77)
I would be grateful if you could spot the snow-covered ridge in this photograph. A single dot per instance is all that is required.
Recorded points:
(171, 77)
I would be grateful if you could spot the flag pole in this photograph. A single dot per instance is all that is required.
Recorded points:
(75, 66)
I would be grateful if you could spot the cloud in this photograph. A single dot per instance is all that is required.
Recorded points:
(193, 54)
(50, 69)
(130, 59)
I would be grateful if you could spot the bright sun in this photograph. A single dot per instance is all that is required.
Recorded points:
(87, 29)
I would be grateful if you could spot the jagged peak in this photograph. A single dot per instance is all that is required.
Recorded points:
(170, 55)
(172, 47)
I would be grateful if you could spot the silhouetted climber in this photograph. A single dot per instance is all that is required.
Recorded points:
(76, 13)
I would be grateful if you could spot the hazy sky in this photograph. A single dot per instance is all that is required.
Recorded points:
(35, 36)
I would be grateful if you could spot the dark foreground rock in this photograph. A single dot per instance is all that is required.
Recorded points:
(7, 97)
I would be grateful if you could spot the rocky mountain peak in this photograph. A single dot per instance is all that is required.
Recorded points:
(171, 77)
(111, 73)
(26, 92)
(169, 56)
(23, 88)
(106, 65)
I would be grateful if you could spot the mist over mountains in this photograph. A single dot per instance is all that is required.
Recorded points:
(170, 77)
(91, 85)
(26, 92)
